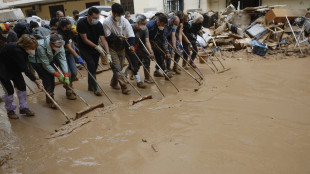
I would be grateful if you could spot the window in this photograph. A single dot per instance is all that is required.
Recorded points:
(30, 13)
(244, 3)
(177, 5)
(54, 9)
(128, 6)
(90, 4)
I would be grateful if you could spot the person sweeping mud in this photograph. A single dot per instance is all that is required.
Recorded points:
(191, 30)
(142, 35)
(158, 38)
(170, 33)
(49, 52)
(14, 61)
(65, 30)
(90, 32)
(116, 29)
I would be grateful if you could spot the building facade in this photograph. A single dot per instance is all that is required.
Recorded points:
(46, 9)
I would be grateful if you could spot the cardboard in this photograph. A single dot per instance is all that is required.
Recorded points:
(278, 15)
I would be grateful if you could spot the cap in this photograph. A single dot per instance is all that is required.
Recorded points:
(4, 27)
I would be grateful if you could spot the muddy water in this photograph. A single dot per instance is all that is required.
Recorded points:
(251, 119)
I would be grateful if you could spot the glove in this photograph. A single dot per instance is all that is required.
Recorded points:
(152, 56)
(80, 60)
(73, 47)
(121, 37)
(60, 78)
(131, 49)
(99, 49)
(109, 58)
(67, 80)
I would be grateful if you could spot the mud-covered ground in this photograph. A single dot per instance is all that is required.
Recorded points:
(254, 118)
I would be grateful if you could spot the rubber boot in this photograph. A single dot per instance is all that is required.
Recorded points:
(22, 97)
(114, 84)
(176, 70)
(140, 84)
(125, 90)
(169, 74)
(70, 93)
(147, 77)
(9, 106)
(50, 102)
(158, 74)
(184, 65)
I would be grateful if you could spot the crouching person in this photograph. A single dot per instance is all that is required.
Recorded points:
(14, 61)
(51, 52)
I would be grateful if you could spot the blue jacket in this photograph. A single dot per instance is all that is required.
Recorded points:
(157, 36)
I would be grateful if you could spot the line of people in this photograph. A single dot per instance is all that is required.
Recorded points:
(115, 39)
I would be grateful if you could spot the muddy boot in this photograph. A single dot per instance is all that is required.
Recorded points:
(147, 77)
(141, 85)
(70, 95)
(50, 102)
(184, 65)
(158, 74)
(131, 75)
(114, 84)
(192, 64)
(69, 92)
(169, 74)
(125, 90)
(98, 93)
(176, 70)
(27, 112)
(12, 115)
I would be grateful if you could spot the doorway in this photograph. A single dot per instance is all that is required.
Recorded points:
(54, 9)
(244, 3)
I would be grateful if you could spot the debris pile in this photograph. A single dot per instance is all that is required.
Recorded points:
(264, 30)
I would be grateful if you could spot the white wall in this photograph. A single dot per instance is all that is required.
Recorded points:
(290, 4)
(141, 5)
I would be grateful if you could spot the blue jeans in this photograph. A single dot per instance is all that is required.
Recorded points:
(71, 66)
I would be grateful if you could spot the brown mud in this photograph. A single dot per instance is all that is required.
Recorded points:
(251, 119)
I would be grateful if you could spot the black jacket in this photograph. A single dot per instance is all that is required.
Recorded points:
(13, 61)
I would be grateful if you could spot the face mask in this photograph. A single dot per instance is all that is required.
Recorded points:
(5, 35)
(142, 27)
(161, 28)
(174, 27)
(57, 50)
(76, 17)
(67, 31)
(94, 21)
(31, 52)
(118, 19)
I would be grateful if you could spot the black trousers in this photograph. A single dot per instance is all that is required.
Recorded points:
(18, 82)
(91, 58)
(160, 58)
(47, 78)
